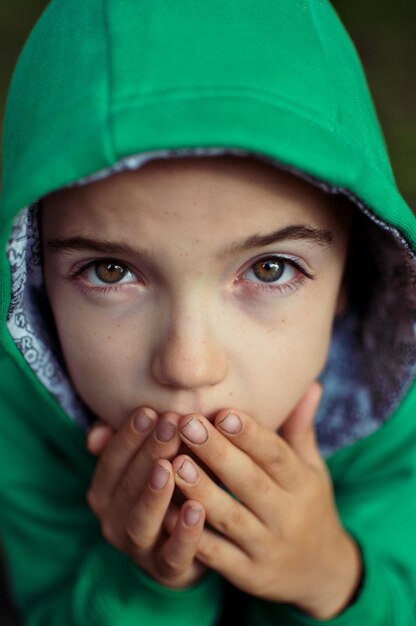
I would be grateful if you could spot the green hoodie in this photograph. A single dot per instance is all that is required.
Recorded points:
(102, 86)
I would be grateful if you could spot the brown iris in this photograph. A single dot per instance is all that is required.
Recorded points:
(109, 272)
(268, 270)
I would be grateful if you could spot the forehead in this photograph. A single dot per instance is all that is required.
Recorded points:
(209, 192)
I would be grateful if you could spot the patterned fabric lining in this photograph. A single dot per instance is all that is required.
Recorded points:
(29, 319)
(372, 356)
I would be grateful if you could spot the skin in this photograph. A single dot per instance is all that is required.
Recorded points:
(182, 336)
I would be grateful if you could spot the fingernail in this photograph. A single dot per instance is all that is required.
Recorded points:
(188, 472)
(142, 421)
(165, 430)
(194, 431)
(192, 516)
(231, 424)
(159, 478)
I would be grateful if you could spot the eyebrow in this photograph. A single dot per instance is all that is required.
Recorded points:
(310, 234)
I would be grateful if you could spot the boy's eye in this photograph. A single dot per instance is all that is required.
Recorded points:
(108, 272)
(270, 270)
(276, 275)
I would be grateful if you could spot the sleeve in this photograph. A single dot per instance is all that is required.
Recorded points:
(375, 489)
(61, 571)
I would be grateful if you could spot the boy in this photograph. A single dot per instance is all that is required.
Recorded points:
(190, 304)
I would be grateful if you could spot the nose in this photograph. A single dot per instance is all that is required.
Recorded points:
(189, 354)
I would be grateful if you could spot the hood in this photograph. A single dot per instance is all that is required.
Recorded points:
(106, 85)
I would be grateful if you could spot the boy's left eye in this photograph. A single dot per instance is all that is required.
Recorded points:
(276, 274)
(272, 269)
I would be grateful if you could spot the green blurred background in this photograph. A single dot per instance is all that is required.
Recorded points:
(384, 32)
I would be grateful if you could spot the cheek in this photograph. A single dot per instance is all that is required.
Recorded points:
(101, 355)
(284, 361)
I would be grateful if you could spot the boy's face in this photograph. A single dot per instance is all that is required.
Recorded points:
(158, 302)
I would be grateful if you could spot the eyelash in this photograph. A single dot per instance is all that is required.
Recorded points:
(285, 288)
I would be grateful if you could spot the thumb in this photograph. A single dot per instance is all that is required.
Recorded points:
(299, 428)
(98, 437)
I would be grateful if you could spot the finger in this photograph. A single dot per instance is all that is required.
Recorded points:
(171, 518)
(178, 553)
(98, 437)
(240, 472)
(266, 448)
(142, 526)
(162, 443)
(223, 512)
(299, 429)
(117, 456)
(218, 554)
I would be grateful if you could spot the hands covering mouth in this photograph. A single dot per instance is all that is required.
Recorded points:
(280, 538)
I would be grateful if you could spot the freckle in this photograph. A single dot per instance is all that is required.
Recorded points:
(274, 330)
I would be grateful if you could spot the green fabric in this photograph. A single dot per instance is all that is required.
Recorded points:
(101, 80)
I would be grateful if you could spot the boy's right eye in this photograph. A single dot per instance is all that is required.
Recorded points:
(108, 272)
(104, 272)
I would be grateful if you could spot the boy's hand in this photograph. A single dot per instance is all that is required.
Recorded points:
(282, 540)
(131, 491)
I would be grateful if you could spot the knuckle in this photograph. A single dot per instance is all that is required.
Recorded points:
(140, 537)
(128, 487)
(153, 454)
(207, 551)
(233, 521)
(170, 567)
(135, 537)
(278, 459)
(260, 485)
